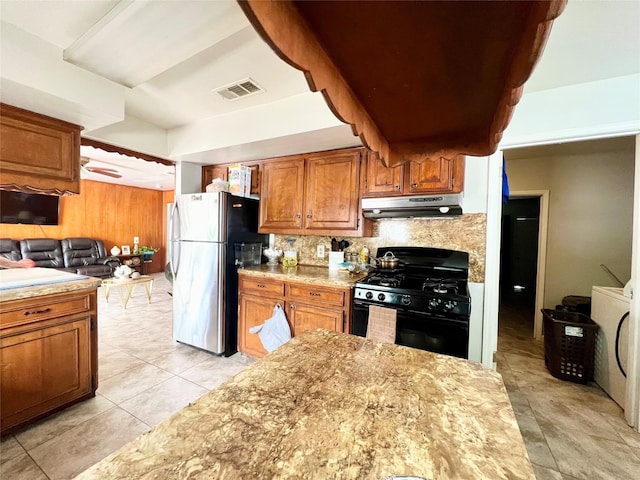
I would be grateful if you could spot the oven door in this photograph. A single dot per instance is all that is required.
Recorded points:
(419, 330)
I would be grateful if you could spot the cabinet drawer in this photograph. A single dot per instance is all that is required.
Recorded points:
(261, 285)
(324, 295)
(32, 310)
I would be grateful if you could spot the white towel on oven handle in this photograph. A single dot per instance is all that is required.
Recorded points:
(275, 331)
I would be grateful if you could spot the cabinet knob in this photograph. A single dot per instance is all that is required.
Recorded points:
(397, 187)
(414, 185)
(309, 215)
(298, 215)
(292, 306)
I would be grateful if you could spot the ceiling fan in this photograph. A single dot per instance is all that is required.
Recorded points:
(109, 172)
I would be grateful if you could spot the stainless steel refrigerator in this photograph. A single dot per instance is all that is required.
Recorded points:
(205, 227)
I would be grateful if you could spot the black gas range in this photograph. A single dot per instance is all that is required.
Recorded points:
(430, 294)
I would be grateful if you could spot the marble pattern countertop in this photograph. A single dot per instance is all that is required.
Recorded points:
(71, 284)
(305, 273)
(332, 405)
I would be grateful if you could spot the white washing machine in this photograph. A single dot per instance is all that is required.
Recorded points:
(610, 310)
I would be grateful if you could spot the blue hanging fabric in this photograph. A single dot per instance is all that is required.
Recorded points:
(505, 181)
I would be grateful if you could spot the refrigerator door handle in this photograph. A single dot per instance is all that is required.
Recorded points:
(174, 233)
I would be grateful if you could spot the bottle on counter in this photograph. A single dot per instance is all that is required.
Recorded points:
(290, 258)
(364, 255)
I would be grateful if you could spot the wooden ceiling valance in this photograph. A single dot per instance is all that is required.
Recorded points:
(412, 77)
(89, 142)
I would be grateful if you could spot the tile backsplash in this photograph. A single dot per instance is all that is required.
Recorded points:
(466, 233)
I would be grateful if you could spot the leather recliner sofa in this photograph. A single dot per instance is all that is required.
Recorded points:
(80, 255)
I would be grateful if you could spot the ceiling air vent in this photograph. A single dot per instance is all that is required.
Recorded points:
(239, 89)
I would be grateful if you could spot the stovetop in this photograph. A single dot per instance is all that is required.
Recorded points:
(429, 280)
(416, 283)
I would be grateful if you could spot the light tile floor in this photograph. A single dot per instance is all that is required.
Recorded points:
(571, 431)
(144, 377)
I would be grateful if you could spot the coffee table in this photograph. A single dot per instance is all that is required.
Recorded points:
(125, 287)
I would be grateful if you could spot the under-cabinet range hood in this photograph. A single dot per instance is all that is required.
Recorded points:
(413, 206)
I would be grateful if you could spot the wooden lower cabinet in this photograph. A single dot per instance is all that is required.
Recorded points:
(48, 355)
(307, 317)
(306, 306)
(253, 311)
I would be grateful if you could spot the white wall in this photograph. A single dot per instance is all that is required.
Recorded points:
(133, 134)
(589, 110)
(590, 210)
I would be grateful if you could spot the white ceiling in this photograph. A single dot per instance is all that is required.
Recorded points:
(171, 55)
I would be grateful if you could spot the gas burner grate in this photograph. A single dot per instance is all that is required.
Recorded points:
(394, 281)
(440, 285)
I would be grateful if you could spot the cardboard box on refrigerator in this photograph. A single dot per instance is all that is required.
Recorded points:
(240, 180)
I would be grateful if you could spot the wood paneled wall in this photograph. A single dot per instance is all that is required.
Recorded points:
(111, 213)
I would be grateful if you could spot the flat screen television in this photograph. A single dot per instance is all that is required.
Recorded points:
(28, 208)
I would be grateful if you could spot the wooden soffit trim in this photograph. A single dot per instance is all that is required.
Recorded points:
(124, 151)
(412, 77)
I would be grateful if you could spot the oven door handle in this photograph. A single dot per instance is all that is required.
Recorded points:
(361, 303)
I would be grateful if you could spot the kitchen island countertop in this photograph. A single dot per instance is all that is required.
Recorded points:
(18, 283)
(331, 405)
(304, 273)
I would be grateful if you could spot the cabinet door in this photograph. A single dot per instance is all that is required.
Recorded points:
(39, 151)
(253, 311)
(305, 317)
(435, 174)
(255, 179)
(281, 196)
(382, 181)
(331, 194)
(209, 172)
(42, 369)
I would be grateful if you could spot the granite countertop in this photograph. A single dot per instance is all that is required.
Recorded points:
(332, 405)
(18, 283)
(305, 273)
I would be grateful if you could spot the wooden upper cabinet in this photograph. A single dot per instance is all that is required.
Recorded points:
(281, 195)
(38, 152)
(381, 180)
(432, 174)
(436, 174)
(209, 172)
(313, 194)
(332, 191)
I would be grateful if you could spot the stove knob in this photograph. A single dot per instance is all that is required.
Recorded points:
(369, 295)
(406, 300)
(433, 302)
(381, 296)
(449, 305)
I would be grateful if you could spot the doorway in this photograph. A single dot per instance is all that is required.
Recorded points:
(523, 258)
(519, 253)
